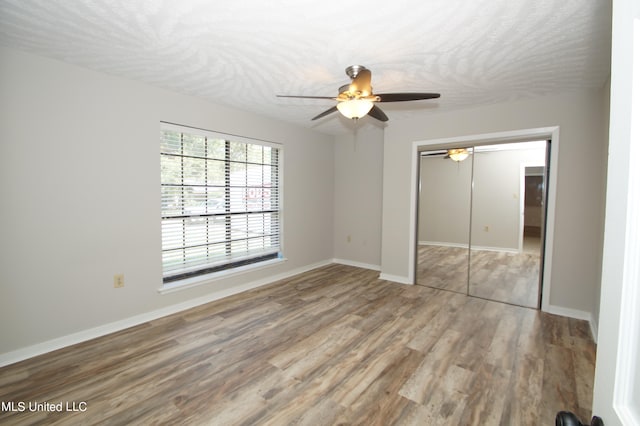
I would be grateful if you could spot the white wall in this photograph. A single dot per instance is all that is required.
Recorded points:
(79, 187)
(579, 220)
(358, 196)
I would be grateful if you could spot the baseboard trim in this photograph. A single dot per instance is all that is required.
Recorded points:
(443, 244)
(466, 246)
(357, 264)
(576, 314)
(594, 329)
(396, 279)
(95, 332)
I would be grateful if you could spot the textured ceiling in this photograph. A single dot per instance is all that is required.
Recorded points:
(242, 53)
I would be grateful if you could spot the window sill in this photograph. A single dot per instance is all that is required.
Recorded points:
(215, 276)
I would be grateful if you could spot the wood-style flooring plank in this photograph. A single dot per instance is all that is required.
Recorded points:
(332, 346)
(501, 276)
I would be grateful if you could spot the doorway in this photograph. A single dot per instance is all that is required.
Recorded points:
(481, 220)
(532, 198)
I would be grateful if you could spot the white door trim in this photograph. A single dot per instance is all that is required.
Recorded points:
(616, 396)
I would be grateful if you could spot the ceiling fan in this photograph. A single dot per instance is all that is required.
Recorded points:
(355, 100)
(455, 154)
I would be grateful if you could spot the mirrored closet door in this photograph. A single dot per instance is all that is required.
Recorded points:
(443, 224)
(481, 221)
(507, 217)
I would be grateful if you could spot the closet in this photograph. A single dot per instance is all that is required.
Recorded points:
(481, 218)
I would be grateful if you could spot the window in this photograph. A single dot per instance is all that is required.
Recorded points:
(220, 201)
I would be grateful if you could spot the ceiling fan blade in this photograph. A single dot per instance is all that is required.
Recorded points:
(361, 84)
(401, 97)
(307, 97)
(378, 114)
(327, 112)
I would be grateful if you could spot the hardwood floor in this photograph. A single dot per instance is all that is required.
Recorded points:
(505, 277)
(500, 276)
(331, 346)
(443, 267)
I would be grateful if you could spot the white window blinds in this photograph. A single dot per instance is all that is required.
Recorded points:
(220, 201)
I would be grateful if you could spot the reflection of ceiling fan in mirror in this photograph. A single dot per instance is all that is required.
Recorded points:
(355, 100)
(455, 154)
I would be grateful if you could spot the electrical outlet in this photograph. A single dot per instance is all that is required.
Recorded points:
(118, 281)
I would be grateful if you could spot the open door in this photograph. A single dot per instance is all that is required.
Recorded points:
(616, 395)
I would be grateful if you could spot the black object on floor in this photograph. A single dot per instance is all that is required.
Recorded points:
(566, 418)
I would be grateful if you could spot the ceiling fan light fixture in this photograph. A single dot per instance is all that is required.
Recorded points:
(458, 154)
(355, 108)
(356, 99)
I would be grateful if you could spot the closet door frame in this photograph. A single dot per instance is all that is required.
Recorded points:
(546, 133)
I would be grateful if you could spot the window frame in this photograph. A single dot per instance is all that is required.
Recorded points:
(232, 263)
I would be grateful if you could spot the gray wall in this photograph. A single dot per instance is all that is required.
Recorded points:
(445, 201)
(358, 196)
(79, 184)
(496, 197)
